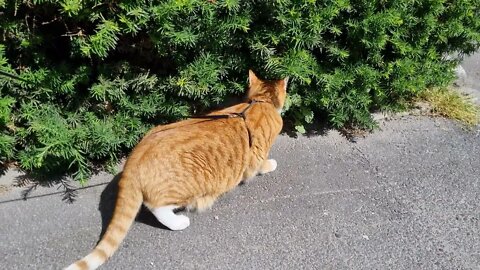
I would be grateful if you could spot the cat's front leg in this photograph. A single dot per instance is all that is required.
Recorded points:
(267, 166)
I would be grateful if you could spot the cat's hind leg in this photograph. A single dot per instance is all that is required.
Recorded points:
(167, 217)
(267, 166)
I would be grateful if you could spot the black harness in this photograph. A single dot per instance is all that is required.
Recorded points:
(233, 115)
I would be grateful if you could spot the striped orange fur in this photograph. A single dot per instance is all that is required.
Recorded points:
(192, 162)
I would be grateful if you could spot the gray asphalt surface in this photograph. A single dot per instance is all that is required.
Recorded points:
(404, 197)
(469, 77)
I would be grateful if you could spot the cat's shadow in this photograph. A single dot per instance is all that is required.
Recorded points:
(107, 206)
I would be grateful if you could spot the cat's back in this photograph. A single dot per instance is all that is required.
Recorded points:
(206, 141)
(204, 132)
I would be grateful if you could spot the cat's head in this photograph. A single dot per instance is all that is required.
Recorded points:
(274, 91)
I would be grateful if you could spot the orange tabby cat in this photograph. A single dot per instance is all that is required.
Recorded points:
(192, 162)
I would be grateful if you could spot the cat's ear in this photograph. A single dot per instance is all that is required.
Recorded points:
(252, 78)
(283, 84)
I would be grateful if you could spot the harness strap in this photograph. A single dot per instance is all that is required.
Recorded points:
(234, 115)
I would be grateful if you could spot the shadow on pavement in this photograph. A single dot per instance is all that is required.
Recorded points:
(30, 182)
(107, 206)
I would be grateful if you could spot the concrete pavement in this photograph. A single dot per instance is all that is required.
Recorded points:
(405, 197)
(468, 74)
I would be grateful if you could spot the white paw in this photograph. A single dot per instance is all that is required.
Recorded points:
(273, 164)
(269, 166)
(179, 223)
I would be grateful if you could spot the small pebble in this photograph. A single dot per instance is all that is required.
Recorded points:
(215, 217)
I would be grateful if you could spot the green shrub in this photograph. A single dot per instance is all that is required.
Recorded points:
(88, 78)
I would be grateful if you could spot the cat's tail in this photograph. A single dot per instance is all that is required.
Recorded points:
(127, 206)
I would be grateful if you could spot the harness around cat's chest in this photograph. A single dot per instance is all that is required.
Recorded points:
(234, 115)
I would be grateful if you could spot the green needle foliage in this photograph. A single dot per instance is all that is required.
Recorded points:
(82, 80)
